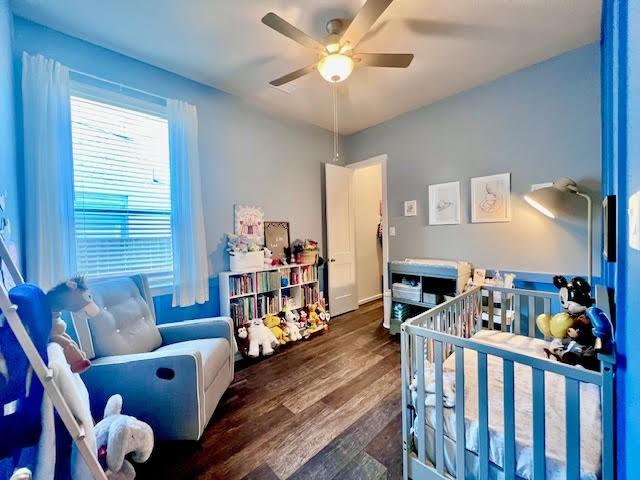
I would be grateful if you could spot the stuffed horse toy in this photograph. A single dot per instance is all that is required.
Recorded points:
(71, 295)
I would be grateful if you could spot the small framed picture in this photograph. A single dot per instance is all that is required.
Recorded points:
(410, 208)
(444, 204)
(249, 222)
(491, 198)
(479, 274)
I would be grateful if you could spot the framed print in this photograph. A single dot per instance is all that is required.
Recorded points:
(276, 238)
(410, 208)
(491, 198)
(444, 204)
(249, 223)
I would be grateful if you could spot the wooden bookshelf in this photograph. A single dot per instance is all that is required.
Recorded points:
(253, 294)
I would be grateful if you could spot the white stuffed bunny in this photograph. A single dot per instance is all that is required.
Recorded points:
(122, 435)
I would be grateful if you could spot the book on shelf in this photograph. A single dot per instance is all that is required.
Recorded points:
(240, 285)
(310, 294)
(242, 310)
(268, 281)
(308, 273)
(267, 304)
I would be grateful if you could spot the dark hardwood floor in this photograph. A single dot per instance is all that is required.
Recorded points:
(326, 408)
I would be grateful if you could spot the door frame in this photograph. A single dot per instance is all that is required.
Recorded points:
(382, 161)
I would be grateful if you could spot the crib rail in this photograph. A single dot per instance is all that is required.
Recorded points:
(446, 329)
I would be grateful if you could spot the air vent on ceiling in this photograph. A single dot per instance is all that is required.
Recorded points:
(286, 87)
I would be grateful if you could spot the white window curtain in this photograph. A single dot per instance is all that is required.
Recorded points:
(190, 263)
(48, 171)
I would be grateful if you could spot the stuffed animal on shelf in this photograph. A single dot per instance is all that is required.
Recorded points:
(260, 336)
(291, 325)
(573, 340)
(273, 323)
(323, 313)
(303, 320)
(73, 296)
(242, 340)
(120, 437)
(315, 323)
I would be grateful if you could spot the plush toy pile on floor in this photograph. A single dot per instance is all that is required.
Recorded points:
(580, 331)
(261, 337)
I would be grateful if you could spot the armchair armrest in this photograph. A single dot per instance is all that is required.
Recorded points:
(216, 327)
(164, 389)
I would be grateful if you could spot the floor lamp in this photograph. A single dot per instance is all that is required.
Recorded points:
(550, 200)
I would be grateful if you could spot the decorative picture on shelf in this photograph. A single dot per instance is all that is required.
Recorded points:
(249, 223)
(491, 198)
(410, 208)
(444, 204)
(276, 238)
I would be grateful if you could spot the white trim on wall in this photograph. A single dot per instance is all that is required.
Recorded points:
(370, 299)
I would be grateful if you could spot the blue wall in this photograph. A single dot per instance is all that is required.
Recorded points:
(621, 162)
(247, 156)
(8, 164)
(539, 123)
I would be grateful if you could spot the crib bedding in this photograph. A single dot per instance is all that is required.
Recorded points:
(590, 414)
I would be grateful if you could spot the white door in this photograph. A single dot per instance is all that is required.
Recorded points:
(343, 292)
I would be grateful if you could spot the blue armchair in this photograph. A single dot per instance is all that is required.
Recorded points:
(171, 376)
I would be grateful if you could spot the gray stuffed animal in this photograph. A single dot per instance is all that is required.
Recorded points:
(122, 435)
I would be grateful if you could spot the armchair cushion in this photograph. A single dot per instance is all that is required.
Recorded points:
(213, 351)
(125, 325)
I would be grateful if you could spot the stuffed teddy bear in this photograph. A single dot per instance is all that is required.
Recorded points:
(260, 336)
(291, 325)
(73, 296)
(273, 323)
(119, 435)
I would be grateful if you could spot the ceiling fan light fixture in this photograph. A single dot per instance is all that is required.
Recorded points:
(336, 67)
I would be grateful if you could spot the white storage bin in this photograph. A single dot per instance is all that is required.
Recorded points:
(407, 292)
(241, 262)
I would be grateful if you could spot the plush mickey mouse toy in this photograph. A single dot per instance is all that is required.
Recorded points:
(575, 297)
(578, 346)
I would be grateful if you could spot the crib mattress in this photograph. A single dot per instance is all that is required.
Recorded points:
(590, 414)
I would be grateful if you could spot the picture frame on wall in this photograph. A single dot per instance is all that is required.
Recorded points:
(410, 208)
(491, 198)
(249, 223)
(277, 238)
(444, 203)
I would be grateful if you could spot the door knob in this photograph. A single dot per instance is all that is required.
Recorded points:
(332, 260)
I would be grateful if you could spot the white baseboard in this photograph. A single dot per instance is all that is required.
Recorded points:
(370, 299)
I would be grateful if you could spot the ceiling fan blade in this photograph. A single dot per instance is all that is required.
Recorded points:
(289, 77)
(285, 28)
(392, 60)
(366, 17)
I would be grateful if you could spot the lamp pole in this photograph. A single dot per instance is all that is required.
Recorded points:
(589, 237)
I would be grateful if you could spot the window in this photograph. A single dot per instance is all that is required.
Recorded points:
(122, 189)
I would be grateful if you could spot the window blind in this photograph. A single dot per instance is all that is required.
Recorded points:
(122, 190)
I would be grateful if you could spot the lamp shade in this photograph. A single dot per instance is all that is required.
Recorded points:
(557, 201)
(336, 67)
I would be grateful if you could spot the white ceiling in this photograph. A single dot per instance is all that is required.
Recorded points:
(458, 44)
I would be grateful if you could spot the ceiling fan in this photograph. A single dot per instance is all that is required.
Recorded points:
(336, 55)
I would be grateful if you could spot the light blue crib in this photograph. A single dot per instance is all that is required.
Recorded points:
(436, 446)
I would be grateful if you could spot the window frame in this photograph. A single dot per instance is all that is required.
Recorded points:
(101, 91)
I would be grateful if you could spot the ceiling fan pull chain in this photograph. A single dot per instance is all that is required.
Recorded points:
(336, 138)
